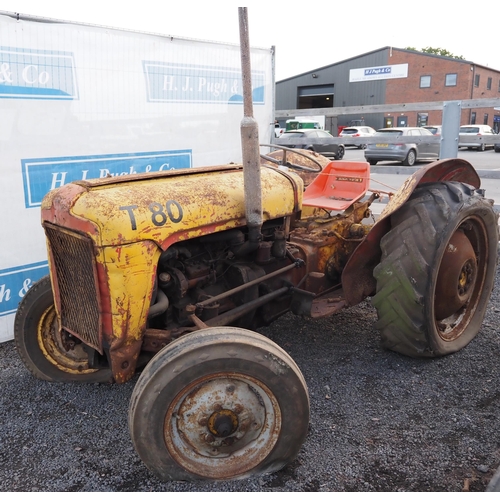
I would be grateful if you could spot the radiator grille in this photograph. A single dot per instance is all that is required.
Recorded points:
(74, 262)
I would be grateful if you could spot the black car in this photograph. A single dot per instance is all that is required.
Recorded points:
(314, 140)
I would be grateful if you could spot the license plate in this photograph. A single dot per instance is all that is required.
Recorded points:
(382, 145)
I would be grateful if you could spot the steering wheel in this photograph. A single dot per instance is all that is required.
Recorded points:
(285, 163)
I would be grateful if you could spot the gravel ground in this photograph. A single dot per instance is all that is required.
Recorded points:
(379, 421)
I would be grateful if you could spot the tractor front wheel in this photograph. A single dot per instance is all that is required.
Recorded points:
(49, 353)
(220, 403)
(437, 270)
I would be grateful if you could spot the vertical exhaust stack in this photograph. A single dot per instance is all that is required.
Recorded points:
(250, 141)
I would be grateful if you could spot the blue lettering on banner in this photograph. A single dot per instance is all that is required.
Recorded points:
(16, 281)
(40, 175)
(37, 74)
(200, 84)
(383, 70)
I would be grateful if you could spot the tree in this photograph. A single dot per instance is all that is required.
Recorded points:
(437, 51)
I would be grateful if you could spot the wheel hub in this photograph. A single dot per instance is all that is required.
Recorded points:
(60, 349)
(222, 422)
(456, 278)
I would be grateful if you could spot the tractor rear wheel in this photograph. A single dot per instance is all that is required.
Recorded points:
(219, 403)
(437, 270)
(48, 353)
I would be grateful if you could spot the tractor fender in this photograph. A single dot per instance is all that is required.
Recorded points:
(357, 278)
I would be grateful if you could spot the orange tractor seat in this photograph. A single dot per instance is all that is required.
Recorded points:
(338, 185)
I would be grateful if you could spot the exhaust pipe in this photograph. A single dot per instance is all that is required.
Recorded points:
(250, 143)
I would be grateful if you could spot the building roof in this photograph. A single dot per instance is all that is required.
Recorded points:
(418, 52)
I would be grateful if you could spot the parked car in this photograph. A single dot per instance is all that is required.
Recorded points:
(278, 130)
(320, 141)
(384, 146)
(435, 129)
(349, 132)
(485, 132)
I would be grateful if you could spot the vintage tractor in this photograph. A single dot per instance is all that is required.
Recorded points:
(167, 274)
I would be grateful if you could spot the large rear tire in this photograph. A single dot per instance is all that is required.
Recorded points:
(48, 353)
(494, 484)
(437, 270)
(220, 403)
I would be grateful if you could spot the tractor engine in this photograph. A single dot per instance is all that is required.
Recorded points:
(131, 257)
(199, 280)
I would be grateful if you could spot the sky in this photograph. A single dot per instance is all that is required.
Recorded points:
(306, 35)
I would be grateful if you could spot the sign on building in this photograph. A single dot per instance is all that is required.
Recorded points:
(378, 73)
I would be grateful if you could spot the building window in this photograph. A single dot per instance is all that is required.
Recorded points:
(422, 119)
(473, 118)
(450, 80)
(425, 82)
(488, 83)
(485, 121)
(476, 81)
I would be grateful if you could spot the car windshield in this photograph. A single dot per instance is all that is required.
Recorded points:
(324, 134)
(294, 134)
(469, 130)
(349, 131)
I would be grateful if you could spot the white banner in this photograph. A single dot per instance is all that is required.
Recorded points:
(378, 73)
(79, 102)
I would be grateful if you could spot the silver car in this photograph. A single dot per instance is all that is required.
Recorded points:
(384, 146)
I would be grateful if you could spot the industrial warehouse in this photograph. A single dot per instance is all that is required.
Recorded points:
(392, 76)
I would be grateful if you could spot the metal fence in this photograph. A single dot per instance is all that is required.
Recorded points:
(449, 138)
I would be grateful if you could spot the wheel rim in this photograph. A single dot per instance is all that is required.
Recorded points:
(59, 348)
(460, 280)
(222, 425)
(411, 158)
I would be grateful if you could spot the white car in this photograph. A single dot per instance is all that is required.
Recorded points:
(278, 130)
(361, 131)
(485, 137)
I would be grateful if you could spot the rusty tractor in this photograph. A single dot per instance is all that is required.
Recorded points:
(167, 275)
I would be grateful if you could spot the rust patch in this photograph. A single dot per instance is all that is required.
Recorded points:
(123, 360)
(154, 340)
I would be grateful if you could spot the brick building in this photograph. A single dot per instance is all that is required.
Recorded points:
(394, 76)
